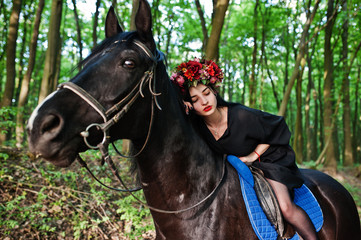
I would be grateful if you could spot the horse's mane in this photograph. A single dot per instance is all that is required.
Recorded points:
(169, 89)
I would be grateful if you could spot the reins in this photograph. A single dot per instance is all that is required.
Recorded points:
(108, 159)
(119, 109)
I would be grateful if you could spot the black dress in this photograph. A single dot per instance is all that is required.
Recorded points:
(249, 127)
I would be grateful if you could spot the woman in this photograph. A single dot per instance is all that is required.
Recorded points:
(258, 138)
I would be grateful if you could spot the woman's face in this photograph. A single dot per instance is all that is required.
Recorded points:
(203, 99)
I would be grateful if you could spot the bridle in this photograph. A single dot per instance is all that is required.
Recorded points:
(115, 113)
(123, 105)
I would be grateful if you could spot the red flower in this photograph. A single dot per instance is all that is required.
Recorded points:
(193, 69)
(210, 70)
(192, 72)
(182, 66)
(188, 74)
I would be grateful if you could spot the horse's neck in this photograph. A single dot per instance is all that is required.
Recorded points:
(177, 159)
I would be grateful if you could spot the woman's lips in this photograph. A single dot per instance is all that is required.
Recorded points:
(207, 109)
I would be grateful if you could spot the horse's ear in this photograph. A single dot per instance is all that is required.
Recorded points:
(143, 23)
(112, 26)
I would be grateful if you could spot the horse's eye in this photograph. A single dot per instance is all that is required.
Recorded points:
(128, 64)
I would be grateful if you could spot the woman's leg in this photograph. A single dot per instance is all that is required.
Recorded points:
(293, 214)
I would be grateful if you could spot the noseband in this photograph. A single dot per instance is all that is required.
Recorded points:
(118, 111)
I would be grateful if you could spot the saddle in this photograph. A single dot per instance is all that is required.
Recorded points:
(263, 208)
(268, 201)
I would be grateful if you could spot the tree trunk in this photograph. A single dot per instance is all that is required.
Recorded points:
(310, 129)
(212, 47)
(245, 75)
(252, 78)
(274, 90)
(11, 54)
(21, 57)
(24, 92)
(331, 157)
(78, 33)
(286, 37)
(3, 36)
(334, 114)
(50, 67)
(262, 59)
(10, 58)
(135, 7)
(156, 22)
(316, 144)
(95, 23)
(356, 120)
(348, 154)
(115, 5)
(320, 108)
(203, 24)
(298, 139)
(170, 17)
(300, 56)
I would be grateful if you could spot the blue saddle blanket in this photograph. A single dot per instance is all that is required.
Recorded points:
(263, 228)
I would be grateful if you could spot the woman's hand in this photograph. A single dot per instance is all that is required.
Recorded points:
(256, 154)
(249, 158)
(187, 107)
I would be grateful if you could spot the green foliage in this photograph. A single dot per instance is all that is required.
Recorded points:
(4, 156)
(7, 115)
(134, 214)
(356, 193)
(42, 200)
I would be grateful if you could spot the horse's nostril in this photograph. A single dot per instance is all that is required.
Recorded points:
(51, 125)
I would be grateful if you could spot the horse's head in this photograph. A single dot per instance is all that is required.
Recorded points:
(112, 75)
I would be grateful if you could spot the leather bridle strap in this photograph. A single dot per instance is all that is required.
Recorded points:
(85, 165)
(86, 97)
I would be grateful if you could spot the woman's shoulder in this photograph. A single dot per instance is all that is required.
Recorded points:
(242, 109)
(240, 113)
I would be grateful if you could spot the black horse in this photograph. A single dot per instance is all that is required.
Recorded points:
(120, 84)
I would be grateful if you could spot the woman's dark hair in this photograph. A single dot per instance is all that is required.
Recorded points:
(185, 94)
(221, 102)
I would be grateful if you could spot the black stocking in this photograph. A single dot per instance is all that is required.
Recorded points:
(293, 214)
(302, 224)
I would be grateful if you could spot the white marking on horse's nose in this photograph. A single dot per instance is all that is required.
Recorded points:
(181, 198)
(36, 110)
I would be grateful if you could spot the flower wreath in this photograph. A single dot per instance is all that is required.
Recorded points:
(197, 71)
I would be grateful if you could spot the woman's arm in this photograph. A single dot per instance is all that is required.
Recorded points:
(253, 156)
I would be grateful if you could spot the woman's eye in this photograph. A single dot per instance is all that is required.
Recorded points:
(128, 64)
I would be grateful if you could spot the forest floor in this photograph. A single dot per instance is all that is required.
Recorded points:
(40, 201)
